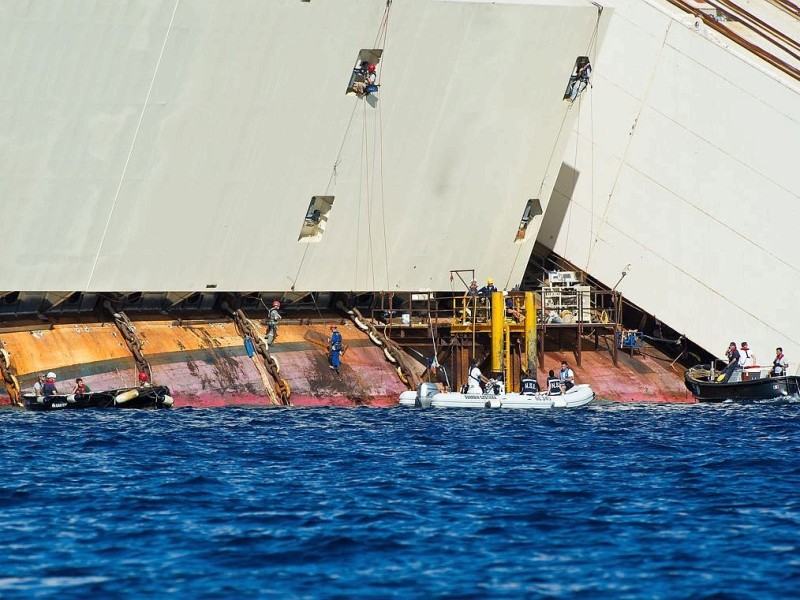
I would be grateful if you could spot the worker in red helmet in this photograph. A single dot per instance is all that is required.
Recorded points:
(272, 322)
(364, 80)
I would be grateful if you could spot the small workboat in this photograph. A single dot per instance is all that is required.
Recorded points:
(704, 383)
(428, 396)
(157, 396)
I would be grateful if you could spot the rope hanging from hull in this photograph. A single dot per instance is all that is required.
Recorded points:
(246, 327)
(391, 350)
(128, 332)
(9, 377)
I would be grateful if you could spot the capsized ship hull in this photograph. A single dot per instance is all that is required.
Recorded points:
(682, 167)
(180, 146)
(205, 364)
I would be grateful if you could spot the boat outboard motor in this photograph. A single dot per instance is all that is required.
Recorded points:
(425, 393)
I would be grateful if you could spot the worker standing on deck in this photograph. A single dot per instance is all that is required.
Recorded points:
(469, 299)
(732, 354)
(475, 379)
(336, 348)
(272, 322)
(486, 291)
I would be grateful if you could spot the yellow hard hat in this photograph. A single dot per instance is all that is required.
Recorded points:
(490, 281)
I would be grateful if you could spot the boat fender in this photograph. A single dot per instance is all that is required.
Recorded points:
(5, 357)
(402, 377)
(389, 356)
(123, 397)
(168, 401)
(374, 339)
(360, 324)
(71, 398)
(493, 403)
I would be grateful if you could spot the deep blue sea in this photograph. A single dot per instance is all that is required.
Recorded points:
(620, 501)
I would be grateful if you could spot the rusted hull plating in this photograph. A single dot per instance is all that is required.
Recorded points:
(206, 365)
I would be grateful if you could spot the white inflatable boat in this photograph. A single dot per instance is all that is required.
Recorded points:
(428, 396)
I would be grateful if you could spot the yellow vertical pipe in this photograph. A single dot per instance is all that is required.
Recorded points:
(530, 330)
(498, 320)
(507, 362)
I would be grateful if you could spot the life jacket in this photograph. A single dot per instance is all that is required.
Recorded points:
(554, 386)
(777, 365)
(529, 386)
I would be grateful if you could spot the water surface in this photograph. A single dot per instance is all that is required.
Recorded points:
(613, 500)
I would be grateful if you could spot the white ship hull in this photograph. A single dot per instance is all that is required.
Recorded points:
(682, 165)
(161, 145)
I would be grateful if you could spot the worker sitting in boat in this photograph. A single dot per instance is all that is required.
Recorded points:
(553, 384)
(779, 365)
(732, 354)
(80, 388)
(475, 378)
(528, 384)
(566, 376)
(746, 356)
(49, 387)
(144, 379)
(37, 387)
